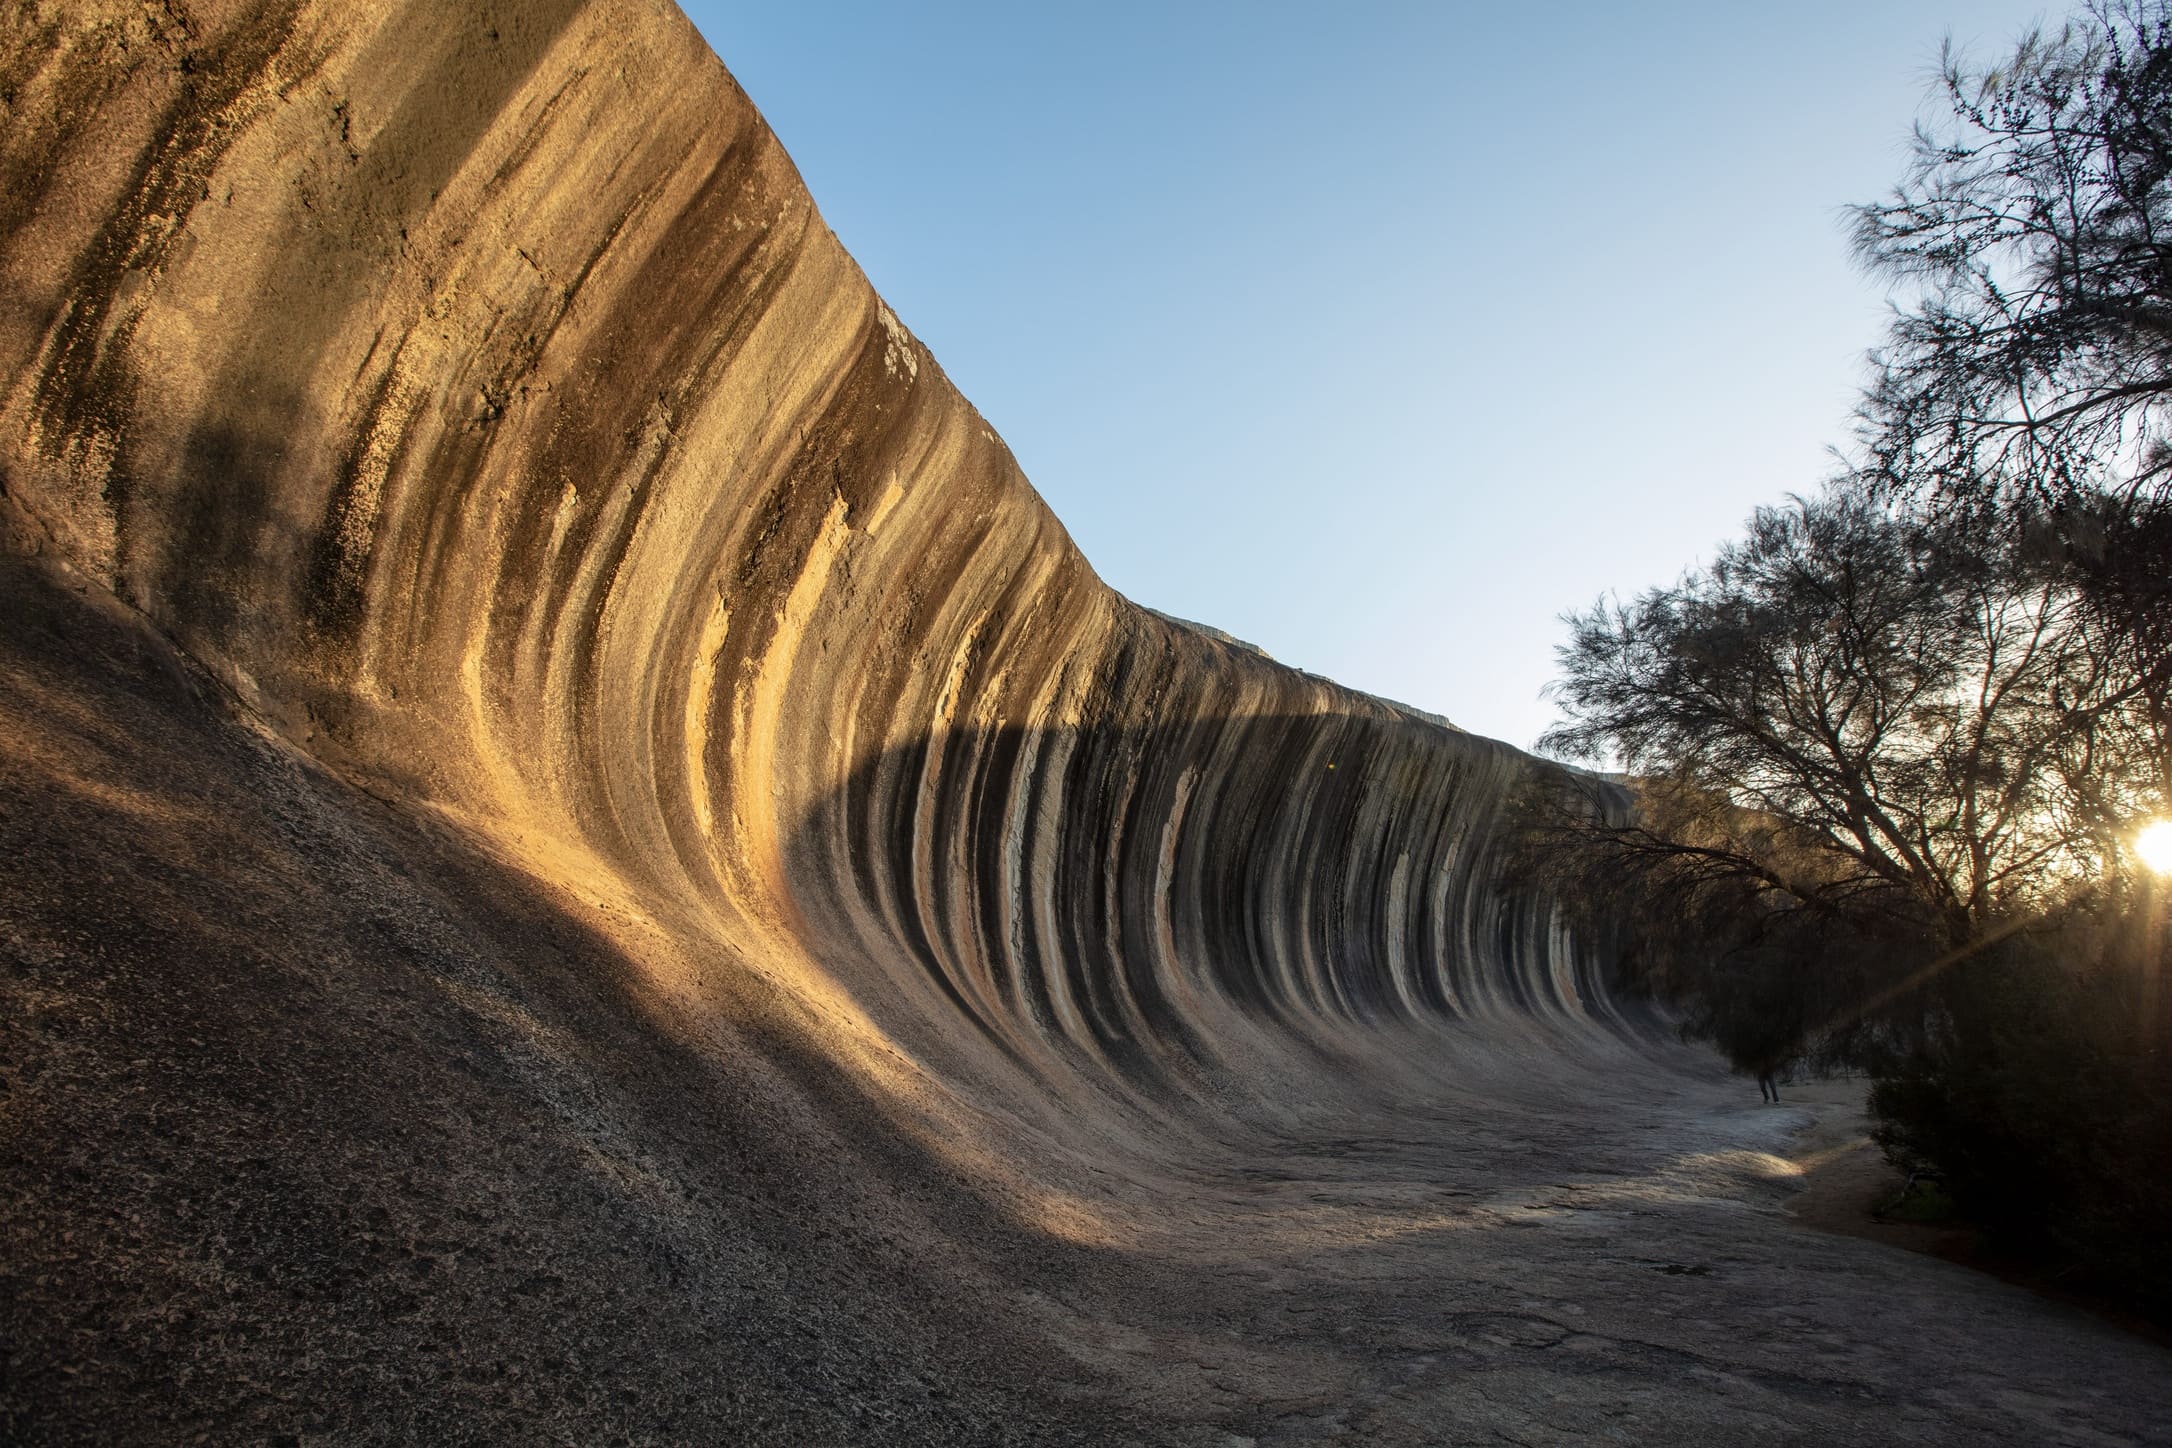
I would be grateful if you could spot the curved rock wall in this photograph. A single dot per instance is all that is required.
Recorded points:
(476, 389)
(820, 968)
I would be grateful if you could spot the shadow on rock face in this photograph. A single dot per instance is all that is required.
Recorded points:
(1114, 893)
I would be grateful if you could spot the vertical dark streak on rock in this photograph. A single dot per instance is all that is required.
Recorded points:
(85, 386)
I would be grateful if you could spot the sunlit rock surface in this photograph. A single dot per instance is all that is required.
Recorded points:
(588, 859)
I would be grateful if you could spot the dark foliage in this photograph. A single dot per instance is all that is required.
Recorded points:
(2035, 229)
(2042, 1096)
(2027, 375)
(1858, 715)
(1675, 884)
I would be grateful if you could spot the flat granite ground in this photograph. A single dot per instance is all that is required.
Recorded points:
(1628, 1275)
(319, 1127)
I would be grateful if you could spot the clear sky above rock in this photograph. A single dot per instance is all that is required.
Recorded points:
(1375, 334)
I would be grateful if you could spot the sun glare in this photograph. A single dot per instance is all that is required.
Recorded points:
(2154, 845)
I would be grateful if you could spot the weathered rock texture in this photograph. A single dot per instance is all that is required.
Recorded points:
(818, 962)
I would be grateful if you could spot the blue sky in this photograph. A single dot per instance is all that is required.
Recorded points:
(1377, 334)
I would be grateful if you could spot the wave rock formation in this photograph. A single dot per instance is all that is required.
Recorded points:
(689, 910)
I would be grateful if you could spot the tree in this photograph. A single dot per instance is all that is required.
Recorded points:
(2035, 225)
(2030, 372)
(1859, 712)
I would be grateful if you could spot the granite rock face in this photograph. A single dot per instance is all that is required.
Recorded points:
(709, 919)
(477, 391)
